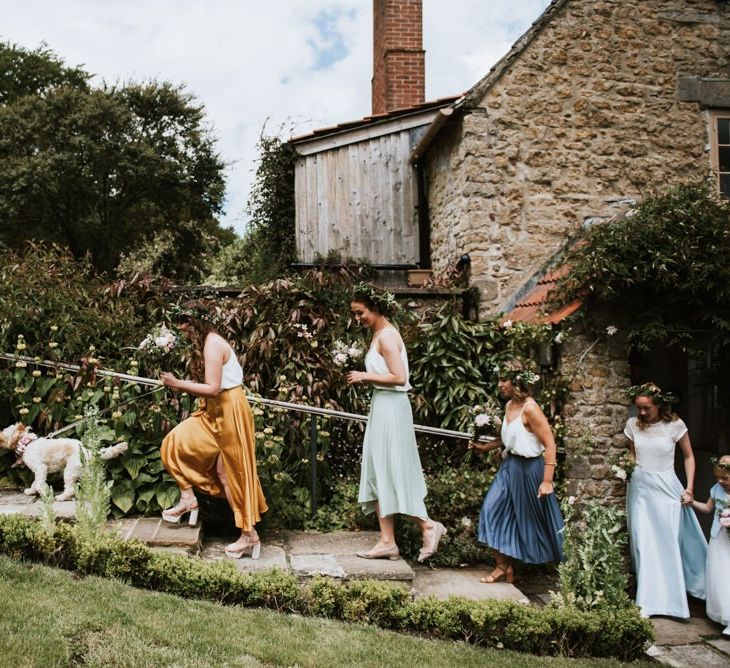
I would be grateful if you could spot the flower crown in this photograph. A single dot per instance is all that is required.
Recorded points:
(178, 313)
(383, 300)
(650, 390)
(524, 376)
(719, 464)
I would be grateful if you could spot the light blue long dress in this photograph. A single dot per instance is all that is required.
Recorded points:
(718, 563)
(391, 473)
(668, 548)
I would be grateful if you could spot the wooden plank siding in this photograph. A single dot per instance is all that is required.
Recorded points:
(359, 199)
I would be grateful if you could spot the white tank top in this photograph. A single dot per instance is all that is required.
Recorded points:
(375, 363)
(231, 373)
(517, 440)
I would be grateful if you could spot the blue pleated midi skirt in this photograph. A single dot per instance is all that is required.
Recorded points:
(391, 473)
(514, 521)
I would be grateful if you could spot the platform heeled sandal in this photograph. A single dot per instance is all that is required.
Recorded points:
(236, 551)
(175, 514)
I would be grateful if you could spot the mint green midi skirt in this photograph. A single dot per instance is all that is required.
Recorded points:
(391, 474)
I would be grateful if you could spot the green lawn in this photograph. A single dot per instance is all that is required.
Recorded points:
(51, 617)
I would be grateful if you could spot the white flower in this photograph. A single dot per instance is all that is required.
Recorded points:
(507, 324)
(571, 500)
(611, 330)
(558, 337)
(354, 352)
(482, 420)
(466, 522)
(340, 359)
(620, 473)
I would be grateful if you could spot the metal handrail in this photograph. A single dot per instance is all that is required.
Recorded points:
(313, 411)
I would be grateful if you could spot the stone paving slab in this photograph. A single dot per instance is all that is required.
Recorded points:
(670, 631)
(442, 583)
(721, 644)
(339, 542)
(689, 656)
(272, 556)
(156, 533)
(309, 565)
(357, 568)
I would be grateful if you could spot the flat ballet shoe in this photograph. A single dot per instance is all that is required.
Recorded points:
(175, 514)
(236, 552)
(439, 530)
(391, 553)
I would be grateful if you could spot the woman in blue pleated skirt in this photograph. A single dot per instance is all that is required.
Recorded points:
(520, 516)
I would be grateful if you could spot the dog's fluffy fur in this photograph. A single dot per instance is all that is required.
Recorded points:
(47, 455)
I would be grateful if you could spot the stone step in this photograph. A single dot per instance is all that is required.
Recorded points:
(442, 583)
(157, 533)
(13, 502)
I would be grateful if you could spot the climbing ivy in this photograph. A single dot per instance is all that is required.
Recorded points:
(662, 270)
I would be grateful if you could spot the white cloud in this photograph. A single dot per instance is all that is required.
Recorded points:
(248, 60)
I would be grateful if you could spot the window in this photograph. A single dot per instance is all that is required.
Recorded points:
(720, 149)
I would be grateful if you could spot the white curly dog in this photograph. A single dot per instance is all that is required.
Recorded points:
(47, 455)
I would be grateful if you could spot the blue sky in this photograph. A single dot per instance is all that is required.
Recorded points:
(291, 64)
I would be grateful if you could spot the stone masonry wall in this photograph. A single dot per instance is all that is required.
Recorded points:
(584, 122)
(595, 416)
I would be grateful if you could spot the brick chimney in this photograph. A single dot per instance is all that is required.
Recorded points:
(399, 70)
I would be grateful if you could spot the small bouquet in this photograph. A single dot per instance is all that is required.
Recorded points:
(344, 354)
(158, 343)
(624, 468)
(485, 420)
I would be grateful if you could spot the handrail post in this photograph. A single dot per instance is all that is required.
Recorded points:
(313, 460)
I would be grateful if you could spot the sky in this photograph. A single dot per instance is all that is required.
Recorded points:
(280, 66)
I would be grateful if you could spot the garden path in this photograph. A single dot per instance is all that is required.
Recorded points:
(682, 644)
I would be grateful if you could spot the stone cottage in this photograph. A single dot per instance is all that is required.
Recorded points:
(599, 102)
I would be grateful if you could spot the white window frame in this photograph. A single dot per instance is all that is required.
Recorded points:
(714, 145)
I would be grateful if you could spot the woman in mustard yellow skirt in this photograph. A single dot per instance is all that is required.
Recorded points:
(214, 449)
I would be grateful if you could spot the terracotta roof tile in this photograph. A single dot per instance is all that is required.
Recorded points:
(535, 306)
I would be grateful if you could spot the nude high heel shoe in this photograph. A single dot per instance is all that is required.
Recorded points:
(426, 552)
(176, 513)
(236, 550)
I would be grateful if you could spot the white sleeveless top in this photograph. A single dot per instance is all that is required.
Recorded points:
(375, 363)
(231, 373)
(517, 439)
(656, 444)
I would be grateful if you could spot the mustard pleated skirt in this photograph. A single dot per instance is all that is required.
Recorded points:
(222, 426)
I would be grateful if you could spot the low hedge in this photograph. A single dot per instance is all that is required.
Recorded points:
(552, 630)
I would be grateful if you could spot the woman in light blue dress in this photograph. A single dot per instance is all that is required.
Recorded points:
(668, 548)
(391, 479)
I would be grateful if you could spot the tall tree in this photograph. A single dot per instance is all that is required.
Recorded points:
(104, 170)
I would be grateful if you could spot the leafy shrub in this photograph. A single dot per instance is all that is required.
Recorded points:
(566, 631)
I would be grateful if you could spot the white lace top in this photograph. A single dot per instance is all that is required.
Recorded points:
(655, 445)
(375, 363)
(517, 439)
(231, 373)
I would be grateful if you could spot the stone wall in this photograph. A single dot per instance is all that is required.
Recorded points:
(583, 122)
(595, 415)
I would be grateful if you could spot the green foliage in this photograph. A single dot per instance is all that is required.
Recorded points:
(102, 170)
(661, 271)
(268, 246)
(593, 573)
(92, 497)
(568, 631)
(36, 72)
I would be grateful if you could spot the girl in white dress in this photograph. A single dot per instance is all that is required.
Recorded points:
(718, 556)
(667, 545)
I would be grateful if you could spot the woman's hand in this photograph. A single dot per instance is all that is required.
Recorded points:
(687, 498)
(169, 379)
(545, 489)
(480, 447)
(355, 377)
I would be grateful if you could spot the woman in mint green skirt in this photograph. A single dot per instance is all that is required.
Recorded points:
(391, 480)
